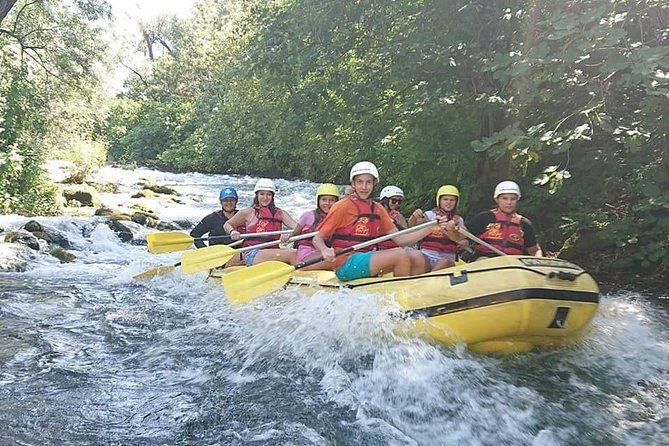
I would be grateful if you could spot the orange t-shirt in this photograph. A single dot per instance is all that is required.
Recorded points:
(343, 213)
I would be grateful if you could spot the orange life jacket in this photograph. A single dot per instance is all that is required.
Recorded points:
(365, 227)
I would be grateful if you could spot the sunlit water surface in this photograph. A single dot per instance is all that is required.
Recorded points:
(90, 356)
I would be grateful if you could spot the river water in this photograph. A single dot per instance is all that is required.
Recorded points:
(90, 356)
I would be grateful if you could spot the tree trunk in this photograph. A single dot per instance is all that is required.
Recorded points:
(5, 7)
(149, 44)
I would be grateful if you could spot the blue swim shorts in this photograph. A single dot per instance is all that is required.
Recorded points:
(250, 256)
(356, 267)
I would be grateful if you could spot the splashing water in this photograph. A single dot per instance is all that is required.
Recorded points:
(89, 356)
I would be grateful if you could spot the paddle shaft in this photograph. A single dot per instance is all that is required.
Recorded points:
(243, 236)
(471, 236)
(368, 243)
(276, 242)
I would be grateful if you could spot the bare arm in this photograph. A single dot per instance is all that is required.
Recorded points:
(535, 251)
(417, 217)
(239, 219)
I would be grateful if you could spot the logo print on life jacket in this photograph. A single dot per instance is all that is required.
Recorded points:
(262, 224)
(361, 227)
(494, 231)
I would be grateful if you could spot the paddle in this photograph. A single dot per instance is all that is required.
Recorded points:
(245, 285)
(471, 236)
(217, 255)
(159, 242)
(164, 269)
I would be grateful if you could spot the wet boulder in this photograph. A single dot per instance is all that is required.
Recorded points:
(123, 232)
(144, 193)
(145, 210)
(62, 255)
(83, 194)
(113, 214)
(158, 188)
(166, 226)
(14, 257)
(49, 234)
(22, 237)
(183, 224)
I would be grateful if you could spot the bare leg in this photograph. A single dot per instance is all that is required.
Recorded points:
(236, 260)
(443, 263)
(282, 255)
(316, 266)
(419, 263)
(395, 260)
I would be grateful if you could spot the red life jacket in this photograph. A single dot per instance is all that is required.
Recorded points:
(505, 234)
(366, 226)
(264, 221)
(438, 240)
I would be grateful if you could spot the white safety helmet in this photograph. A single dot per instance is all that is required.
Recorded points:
(507, 187)
(265, 184)
(364, 167)
(391, 191)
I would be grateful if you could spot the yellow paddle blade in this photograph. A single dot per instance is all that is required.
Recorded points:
(159, 242)
(153, 272)
(250, 283)
(206, 258)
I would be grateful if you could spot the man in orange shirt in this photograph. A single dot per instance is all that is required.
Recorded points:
(357, 218)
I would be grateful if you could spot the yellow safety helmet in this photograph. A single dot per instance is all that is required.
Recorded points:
(327, 189)
(448, 190)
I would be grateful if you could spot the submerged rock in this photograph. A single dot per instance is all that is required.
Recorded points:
(14, 257)
(62, 255)
(122, 231)
(22, 237)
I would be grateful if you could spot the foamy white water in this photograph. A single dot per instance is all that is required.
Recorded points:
(90, 356)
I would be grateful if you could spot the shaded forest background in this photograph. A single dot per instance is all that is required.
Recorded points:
(569, 98)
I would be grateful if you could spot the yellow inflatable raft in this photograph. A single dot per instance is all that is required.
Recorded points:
(504, 304)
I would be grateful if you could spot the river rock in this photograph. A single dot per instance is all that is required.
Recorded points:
(81, 193)
(14, 257)
(158, 188)
(122, 231)
(145, 210)
(166, 226)
(144, 193)
(62, 255)
(49, 234)
(113, 214)
(183, 224)
(22, 237)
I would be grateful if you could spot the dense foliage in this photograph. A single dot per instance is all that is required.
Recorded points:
(48, 86)
(569, 98)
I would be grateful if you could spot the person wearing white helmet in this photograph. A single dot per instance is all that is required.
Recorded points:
(441, 247)
(391, 197)
(503, 227)
(357, 218)
(326, 196)
(262, 216)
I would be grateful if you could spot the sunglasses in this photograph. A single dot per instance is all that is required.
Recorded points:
(395, 200)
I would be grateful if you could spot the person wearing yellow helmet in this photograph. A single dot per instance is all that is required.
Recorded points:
(358, 218)
(503, 227)
(327, 195)
(262, 216)
(442, 245)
